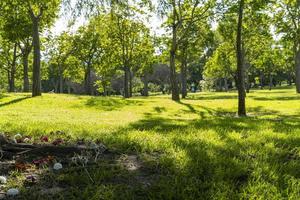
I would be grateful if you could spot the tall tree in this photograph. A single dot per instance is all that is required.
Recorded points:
(288, 22)
(182, 14)
(240, 63)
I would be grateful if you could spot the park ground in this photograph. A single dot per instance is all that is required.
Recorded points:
(193, 149)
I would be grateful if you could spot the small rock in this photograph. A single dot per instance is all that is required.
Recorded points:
(12, 192)
(3, 180)
(57, 166)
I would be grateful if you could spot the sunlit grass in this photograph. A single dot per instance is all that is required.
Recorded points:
(198, 148)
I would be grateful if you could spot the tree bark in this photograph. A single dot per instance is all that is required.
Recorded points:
(25, 73)
(297, 67)
(126, 82)
(13, 71)
(173, 77)
(36, 81)
(240, 64)
(130, 83)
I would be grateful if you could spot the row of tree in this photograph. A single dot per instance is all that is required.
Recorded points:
(207, 44)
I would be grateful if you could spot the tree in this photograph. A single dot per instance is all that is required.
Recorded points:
(8, 56)
(61, 49)
(89, 47)
(128, 34)
(287, 15)
(41, 13)
(16, 28)
(240, 63)
(181, 17)
(39, 10)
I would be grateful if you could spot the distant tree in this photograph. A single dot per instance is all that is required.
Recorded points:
(180, 13)
(89, 48)
(287, 15)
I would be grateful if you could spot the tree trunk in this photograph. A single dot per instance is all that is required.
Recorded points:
(270, 82)
(261, 80)
(130, 83)
(87, 80)
(297, 67)
(8, 79)
(240, 64)
(126, 82)
(61, 80)
(13, 71)
(145, 89)
(36, 81)
(25, 73)
(173, 77)
(183, 72)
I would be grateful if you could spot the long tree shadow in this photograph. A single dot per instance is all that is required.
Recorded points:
(211, 97)
(282, 98)
(14, 101)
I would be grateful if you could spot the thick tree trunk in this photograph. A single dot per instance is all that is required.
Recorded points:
(240, 64)
(126, 82)
(87, 80)
(25, 73)
(36, 81)
(183, 72)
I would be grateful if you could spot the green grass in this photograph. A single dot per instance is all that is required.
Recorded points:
(193, 149)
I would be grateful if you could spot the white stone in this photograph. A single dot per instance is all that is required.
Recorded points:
(57, 166)
(3, 180)
(12, 192)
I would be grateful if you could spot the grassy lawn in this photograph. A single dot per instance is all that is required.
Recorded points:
(193, 149)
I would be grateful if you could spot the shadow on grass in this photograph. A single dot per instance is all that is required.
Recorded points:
(282, 98)
(14, 101)
(211, 97)
(159, 109)
(190, 167)
(226, 168)
(110, 103)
